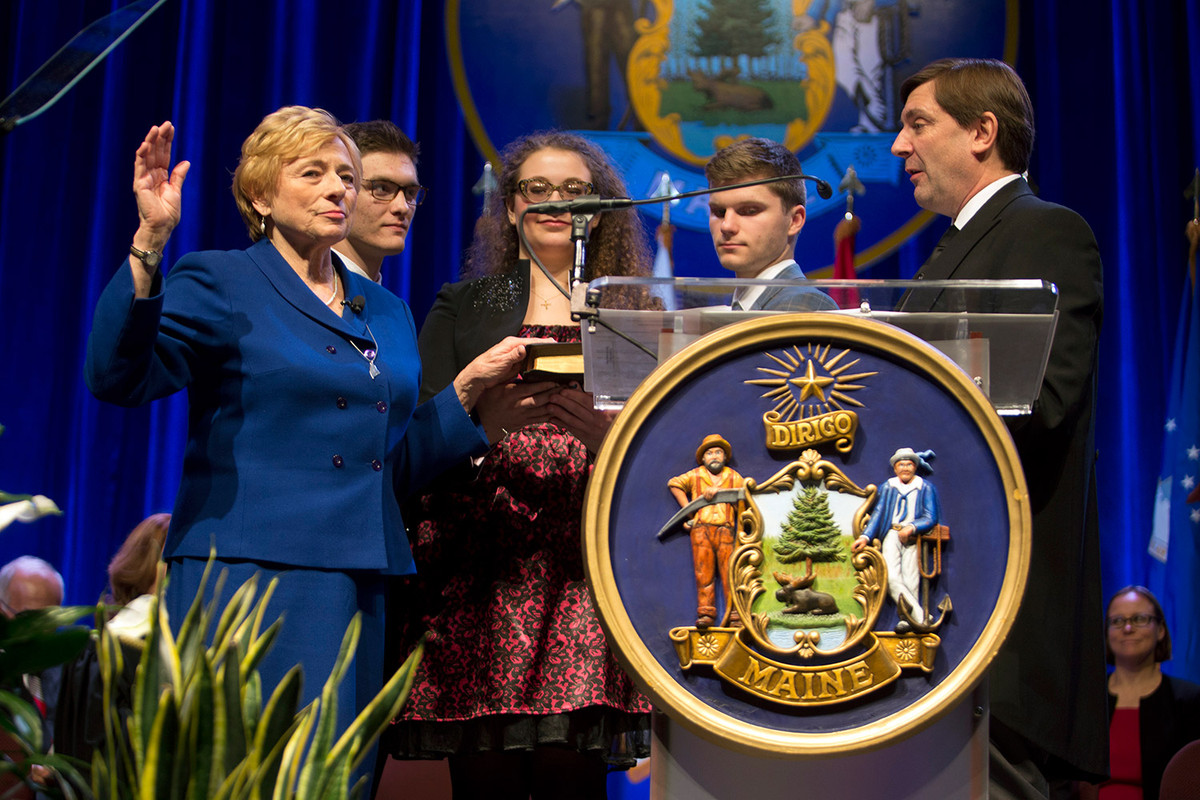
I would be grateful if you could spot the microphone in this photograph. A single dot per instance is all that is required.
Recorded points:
(587, 204)
(356, 303)
(592, 204)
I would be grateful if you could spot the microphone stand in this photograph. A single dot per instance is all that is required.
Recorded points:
(581, 225)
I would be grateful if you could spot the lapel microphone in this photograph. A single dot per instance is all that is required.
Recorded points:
(356, 303)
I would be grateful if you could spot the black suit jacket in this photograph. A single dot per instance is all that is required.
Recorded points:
(1168, 718)
(1048, 682)
(467, 318)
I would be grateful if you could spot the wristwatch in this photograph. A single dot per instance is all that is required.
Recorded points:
(151, 258)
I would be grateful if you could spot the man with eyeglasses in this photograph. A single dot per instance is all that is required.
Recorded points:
(387, 200)
(755, 229)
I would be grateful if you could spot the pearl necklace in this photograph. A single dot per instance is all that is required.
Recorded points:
(335, 288)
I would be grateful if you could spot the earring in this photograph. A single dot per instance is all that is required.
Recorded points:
(262, 224)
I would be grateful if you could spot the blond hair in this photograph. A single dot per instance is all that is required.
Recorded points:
(283, 136)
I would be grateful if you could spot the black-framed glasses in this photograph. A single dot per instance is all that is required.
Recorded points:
(1137, 621)
(538, 190)
(385, 191)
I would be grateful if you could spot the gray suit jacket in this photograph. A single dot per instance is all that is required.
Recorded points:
(792, 298)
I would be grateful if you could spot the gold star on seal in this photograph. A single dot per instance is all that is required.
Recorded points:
(811, 385)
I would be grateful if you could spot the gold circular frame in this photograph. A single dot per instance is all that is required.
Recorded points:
(663, 688)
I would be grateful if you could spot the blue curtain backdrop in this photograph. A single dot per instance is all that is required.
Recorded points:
(1116, 86)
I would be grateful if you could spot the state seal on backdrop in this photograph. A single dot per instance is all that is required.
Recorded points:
(661, 85)
(807, 535)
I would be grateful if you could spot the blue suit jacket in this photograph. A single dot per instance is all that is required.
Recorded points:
(295, 455)
(927, 513)
(792, 298)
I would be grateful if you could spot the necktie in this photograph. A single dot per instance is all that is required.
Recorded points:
(33, 684)
(950, 233)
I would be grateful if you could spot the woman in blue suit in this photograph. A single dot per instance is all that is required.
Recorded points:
(302, 382)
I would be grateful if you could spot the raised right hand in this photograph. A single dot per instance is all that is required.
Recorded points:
(158, 188)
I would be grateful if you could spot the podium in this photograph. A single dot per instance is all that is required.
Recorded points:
(837, 686)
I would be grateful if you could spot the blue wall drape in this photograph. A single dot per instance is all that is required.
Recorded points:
(1116, 87)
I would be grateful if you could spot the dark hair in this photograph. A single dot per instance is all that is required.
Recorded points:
(1162, 650)
(747, 159)
(132, 571)
(618, 246)
(382, 136)
(966, 88)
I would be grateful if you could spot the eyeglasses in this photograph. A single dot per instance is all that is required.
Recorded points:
(1137, 621)
(386, 191)
(538, 190)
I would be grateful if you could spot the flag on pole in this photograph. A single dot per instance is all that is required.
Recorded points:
(664, 263)
(844, 241)
(1175, 537)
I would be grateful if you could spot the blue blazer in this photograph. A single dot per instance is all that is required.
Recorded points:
(926, 515)
(295, 455)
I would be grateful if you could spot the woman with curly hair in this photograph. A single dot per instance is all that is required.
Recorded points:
(518, 686)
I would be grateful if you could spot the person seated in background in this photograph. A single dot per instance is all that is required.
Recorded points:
(754, 229)
(1152, 715)
(28, 583)
(134, 574)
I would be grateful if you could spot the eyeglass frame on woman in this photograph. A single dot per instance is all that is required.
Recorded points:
(1137, 620)
(414, 193)
(523, 187)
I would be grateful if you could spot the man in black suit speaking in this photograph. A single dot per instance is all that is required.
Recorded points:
(966, 139)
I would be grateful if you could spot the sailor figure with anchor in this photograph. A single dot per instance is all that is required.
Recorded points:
(906, 517)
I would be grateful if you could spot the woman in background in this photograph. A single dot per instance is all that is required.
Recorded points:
(134, 574)
(1151, 715)
(518, 686)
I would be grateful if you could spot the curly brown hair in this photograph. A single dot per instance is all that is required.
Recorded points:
(618, 247)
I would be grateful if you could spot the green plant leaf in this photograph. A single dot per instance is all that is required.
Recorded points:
(293, 752)
(35, 640)
(158, 771)
(229, 680)
(259, 647)
(239, 607)
(313, 777)
(204, 714)
(22, 721)
(374, 718)
(276, 726)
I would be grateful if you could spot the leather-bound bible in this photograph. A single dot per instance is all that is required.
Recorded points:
(562, 362)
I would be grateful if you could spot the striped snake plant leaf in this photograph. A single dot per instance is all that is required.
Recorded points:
(155, 780)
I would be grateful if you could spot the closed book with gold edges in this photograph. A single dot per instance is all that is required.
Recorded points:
(561, 362)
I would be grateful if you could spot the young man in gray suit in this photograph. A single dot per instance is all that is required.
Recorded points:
(754, 229)
(966, 140)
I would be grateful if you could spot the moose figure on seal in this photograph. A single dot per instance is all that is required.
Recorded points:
(724, 91)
